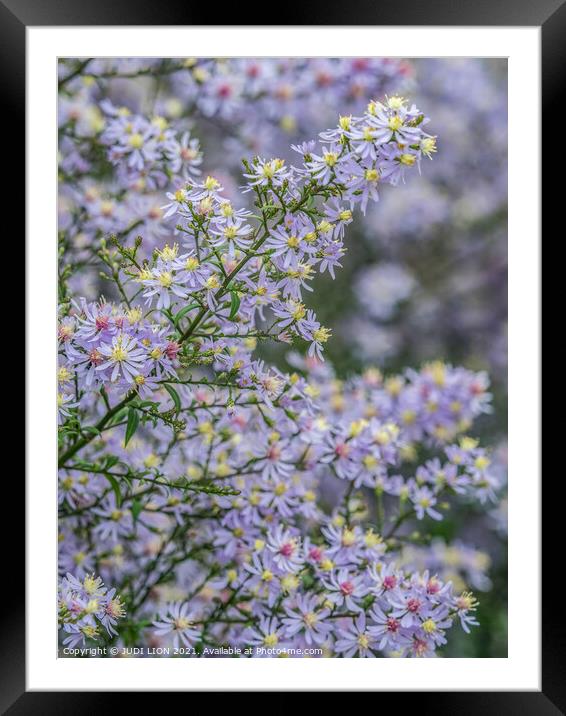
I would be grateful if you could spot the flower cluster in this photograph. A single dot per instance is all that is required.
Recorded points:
(292, 596)
(86, 605)
(266, 266)
(103, 345)
(147, 152)
(230, 501)
(258, 99)
(455, 562)
(255, 479)
(447, 231)
(253, 106)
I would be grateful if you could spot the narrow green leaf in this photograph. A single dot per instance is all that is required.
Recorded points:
(234, 304)
(116, 488)
(136, 509)
(183, 312)
(132, 425)
(84, 465)
(174, 396)
(120, 415)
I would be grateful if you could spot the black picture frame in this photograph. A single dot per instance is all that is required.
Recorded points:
(550, 15)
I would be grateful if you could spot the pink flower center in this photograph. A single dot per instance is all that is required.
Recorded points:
(432, 586)
(95, 357)
(274, 453)
(172, 349)
(413, 605)
(342, 450)
(315, 553)
(419, 647)
(224, 91)
(390, 582)
(101, 323)
(392, 624)
(287, 549)
(187, 153)
(324, 79)
(360, 63)
(346, 588)
(476, 389)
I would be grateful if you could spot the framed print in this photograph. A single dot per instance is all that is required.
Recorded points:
(288, 280)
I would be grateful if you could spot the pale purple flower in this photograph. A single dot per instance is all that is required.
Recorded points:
(356, 639)
(178, 621)
(306, 618)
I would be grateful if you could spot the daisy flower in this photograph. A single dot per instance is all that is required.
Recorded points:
(177, 620)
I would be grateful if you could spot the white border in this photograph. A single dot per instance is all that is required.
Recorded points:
(521, 670)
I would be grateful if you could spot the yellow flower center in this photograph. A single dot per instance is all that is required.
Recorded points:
(428, 145)
(395, 123)
(212, 282)
(168, 253)
(91, 583)
(310, 619)
(191, 264)
(298, 311)
(395, 102)
(368, 134)
(119, 353)
(408, 159)
(348, 538)
(429, 626)
(268, 170)
(324, 226)
(210, 183)
(64, 375)
(136, 140)
(271, 639)
(322, 334)
(134, 315)
(165, 279)
(371, 538)
(481, 462)
(181, 624)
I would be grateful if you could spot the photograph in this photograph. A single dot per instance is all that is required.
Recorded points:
(282, 380)
(283, 355)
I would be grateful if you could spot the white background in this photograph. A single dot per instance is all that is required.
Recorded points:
(521, 670)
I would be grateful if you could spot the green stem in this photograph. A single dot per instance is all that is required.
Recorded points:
(99, 426)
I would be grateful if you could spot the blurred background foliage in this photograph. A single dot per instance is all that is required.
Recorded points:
(425, 278)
